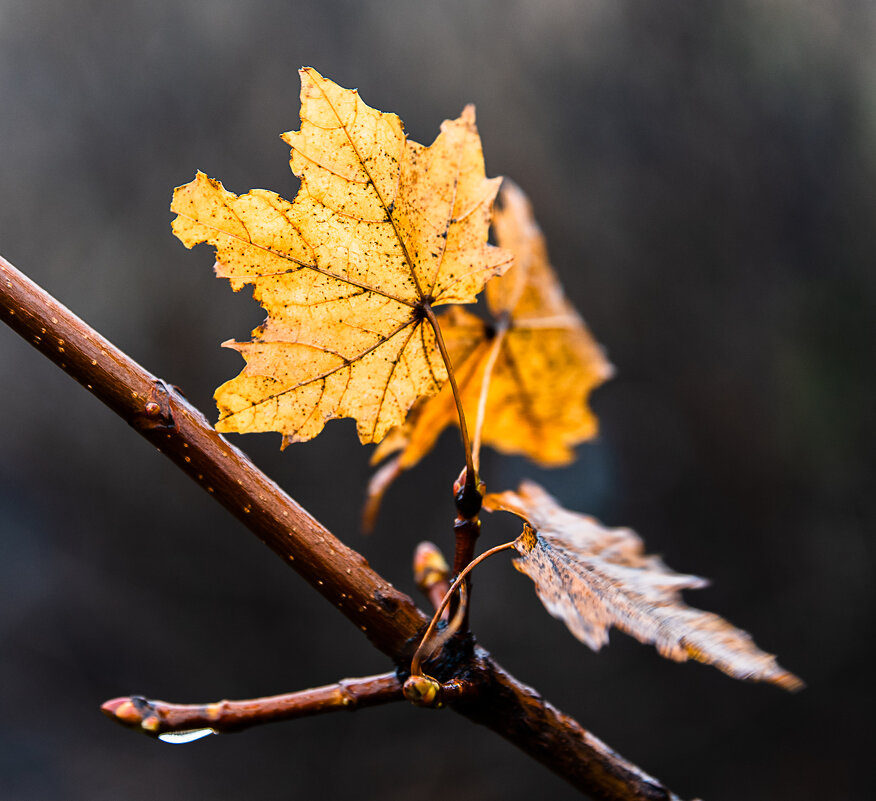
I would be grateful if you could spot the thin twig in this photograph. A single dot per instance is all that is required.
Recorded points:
(466, 531)
(162, 415)
(156, 718)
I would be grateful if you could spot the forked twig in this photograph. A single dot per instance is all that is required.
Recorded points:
(389, 618)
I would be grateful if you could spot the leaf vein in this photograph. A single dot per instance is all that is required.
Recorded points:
(389, 379)
(380, 197)
(287, 257)
(326, 374)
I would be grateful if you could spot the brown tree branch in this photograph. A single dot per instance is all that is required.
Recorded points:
(159, 717)
(388, 617)
(163, 416)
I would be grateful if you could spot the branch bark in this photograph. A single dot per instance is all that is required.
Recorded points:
(388, 617)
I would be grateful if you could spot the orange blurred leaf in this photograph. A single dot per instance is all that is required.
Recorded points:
(381, 228)
(547, 365)
(540, 360)
(592, 578)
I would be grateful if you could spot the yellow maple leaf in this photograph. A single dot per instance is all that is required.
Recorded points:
(539, 359)
(381, 230)
(592, 578)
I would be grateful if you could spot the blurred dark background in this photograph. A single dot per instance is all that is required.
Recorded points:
(705, 174)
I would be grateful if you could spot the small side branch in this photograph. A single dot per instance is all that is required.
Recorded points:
(466, 530)
(157, 718)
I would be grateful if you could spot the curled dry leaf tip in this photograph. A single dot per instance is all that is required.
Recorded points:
(592, 577)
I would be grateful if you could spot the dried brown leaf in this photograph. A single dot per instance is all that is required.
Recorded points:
(592, 578)
(380, 228)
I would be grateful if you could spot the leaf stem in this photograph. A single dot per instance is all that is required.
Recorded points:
(485, 390)
(471, 475)
(457, 584)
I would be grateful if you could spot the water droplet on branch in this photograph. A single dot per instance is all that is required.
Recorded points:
(180, 737)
